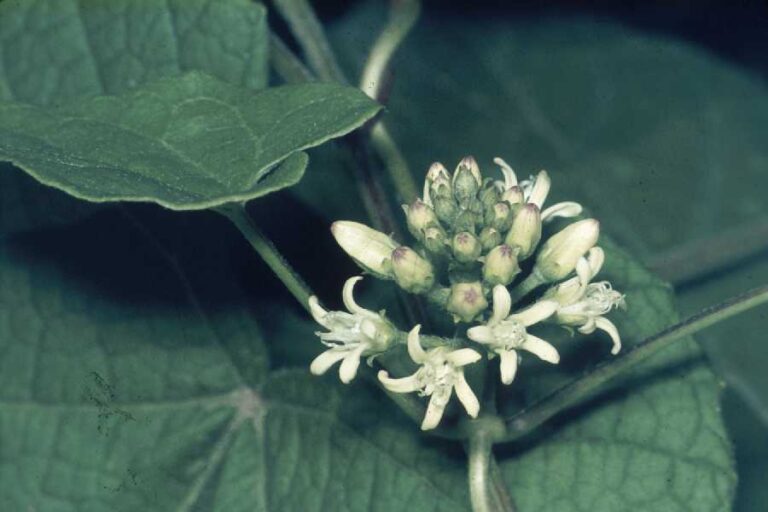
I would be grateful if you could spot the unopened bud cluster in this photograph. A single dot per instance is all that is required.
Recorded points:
(480, 244)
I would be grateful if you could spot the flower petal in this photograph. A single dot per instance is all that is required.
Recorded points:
(508, 366)
(566, 293)
(607, 326)
(403, 385)
(584, 272)
(536, 313)
(502, 303)
(425, 197)
(434, 413)
(540, 189)
(318, 313)
(350, 364)
(565, 209)
(510, 179)
(325, 360)
(415, 350)
(596, 257)
(588, 327)
(349, 300)
(466, 396)
(463, 357)
(481, 334)
(543, 349)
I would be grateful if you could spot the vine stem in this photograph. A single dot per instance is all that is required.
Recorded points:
(487, 490)
(396, 164)
(309, 32)
(236, 213)
(528, 419)
(287, 65)
(403, 15)
(501, 495)
(479, 457)
(698, 258)
(310, 35)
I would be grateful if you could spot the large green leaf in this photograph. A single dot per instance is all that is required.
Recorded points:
(188, 142)
(54, 50)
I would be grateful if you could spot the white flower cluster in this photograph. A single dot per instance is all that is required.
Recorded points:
(567, 261)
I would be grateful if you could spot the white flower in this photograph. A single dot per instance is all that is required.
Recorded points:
(534, 191)
(440, 373)
(505, 334)
(582, 304)
(351, 335)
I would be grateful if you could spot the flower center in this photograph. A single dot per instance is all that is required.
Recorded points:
(437, 377)
(601, 298)
(510, 334)
(348, 331)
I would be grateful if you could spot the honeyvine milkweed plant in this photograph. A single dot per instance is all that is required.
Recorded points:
(138, 372)
(477, 238)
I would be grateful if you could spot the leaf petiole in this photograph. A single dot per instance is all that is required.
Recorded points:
(236, 213)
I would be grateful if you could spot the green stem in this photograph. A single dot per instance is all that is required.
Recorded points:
(287, 65)
(479, 459)
(309, 33)
(527, 286)
(236, 213)
(501, 496)
(525, 421)
(385, 146)
(403, 15)
(290, 69)
(487, 490)
(698, 258)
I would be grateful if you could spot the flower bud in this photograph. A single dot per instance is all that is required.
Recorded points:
(434, 240)
(412, 272)
(466, 247)
(466, 180)
(437, 176)
(501, 265)
(489, 238)
(489, 194)
(445, 209)
(466, 301)
(525, 232)
(465, 221)
(559, 255)
(500, 217)
(437, 171)
(369, 248)
(419, 216)
(513, 195)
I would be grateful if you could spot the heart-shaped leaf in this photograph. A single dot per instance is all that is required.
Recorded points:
(56, 50)
(188, 142)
